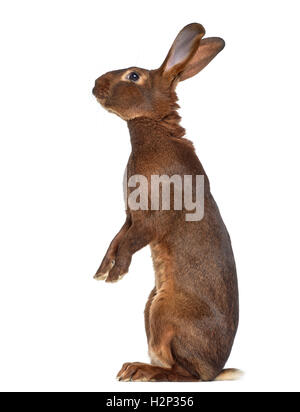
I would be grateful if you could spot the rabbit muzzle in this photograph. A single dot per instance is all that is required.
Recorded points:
(102, 89)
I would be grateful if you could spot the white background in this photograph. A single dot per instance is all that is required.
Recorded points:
(61, 166)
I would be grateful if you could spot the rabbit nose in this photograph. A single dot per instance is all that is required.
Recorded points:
(102, 86)
(95, 90)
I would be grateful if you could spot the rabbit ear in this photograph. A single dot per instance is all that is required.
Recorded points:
(207, 50)
(189, 54)
(183, 49)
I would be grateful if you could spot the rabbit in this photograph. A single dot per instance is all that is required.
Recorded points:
(192, 314)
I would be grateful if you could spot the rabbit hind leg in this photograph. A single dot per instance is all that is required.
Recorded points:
(163, 367)
(142, 372)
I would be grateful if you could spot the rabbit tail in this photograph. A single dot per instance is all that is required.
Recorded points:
(230, 375)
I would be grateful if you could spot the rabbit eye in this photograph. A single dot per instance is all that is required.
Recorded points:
(133, 76)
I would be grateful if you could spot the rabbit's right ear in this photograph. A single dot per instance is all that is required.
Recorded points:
(182, 51)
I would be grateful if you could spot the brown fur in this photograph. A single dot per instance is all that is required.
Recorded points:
(191, 316)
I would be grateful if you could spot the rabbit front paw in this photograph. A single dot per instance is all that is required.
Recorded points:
(116, 274)
(113, 268)
(104, 269)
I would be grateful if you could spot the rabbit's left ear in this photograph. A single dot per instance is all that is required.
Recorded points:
(207, 51)
(189, 54)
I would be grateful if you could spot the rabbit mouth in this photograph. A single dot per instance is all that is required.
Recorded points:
(100, 94)
(101, 100)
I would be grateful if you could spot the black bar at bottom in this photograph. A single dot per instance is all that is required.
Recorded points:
(138, 401)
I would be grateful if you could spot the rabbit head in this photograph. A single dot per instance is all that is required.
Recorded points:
(136, 92)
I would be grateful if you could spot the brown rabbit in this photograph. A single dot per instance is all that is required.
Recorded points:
(191, 316)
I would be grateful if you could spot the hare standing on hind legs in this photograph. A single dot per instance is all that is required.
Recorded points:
(191, 316)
